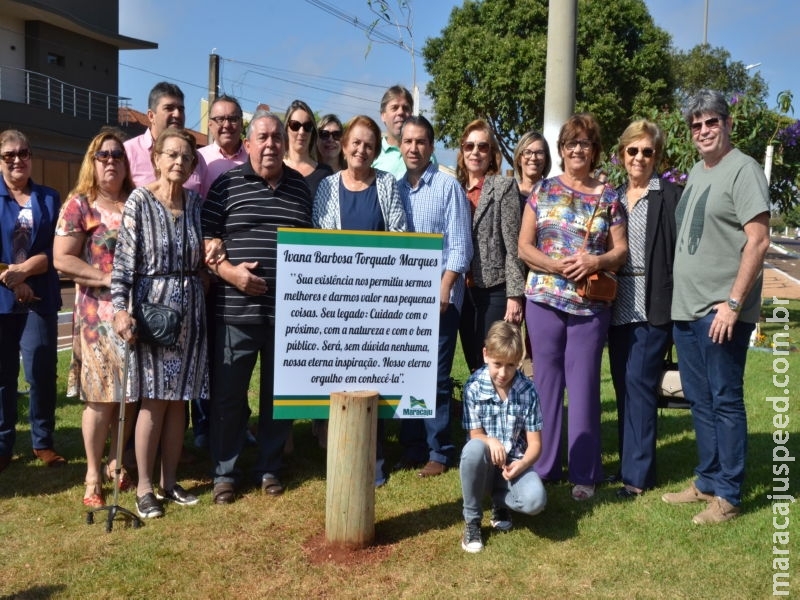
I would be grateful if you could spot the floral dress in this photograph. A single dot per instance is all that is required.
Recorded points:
(151, 246)
(95, 371)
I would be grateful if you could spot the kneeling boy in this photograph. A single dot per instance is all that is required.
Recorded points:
(503, 418)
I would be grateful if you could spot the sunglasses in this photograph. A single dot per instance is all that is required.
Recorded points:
(109, 155)
(325, 135)
(646, 152)
(10, 157)
(296, 125)
(709, 123)
(483, 147)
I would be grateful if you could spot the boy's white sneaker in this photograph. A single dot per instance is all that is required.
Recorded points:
(472, 540)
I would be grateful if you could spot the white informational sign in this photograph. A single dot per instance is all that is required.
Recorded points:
(356, 311)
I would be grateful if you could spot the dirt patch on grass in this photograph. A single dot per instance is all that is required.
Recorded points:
(318, 551)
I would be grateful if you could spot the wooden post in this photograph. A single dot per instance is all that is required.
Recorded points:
(350, 493)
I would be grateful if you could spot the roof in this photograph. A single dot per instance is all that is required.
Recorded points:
(54, 14)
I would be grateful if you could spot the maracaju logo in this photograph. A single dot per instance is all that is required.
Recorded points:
(418, 408)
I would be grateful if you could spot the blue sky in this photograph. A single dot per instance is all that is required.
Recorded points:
(275, 51)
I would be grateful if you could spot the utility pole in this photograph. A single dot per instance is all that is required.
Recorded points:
(559, 89)
(213, 85)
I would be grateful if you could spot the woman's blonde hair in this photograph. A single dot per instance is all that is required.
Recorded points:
(87, 184)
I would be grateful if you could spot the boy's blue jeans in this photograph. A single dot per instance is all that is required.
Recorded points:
(480, 478)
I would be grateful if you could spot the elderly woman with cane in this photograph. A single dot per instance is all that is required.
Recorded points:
(156, 270)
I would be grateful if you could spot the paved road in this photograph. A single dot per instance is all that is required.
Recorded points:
(788, 263)
(65, 316)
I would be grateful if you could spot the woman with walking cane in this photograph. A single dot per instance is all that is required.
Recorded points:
(159, 309)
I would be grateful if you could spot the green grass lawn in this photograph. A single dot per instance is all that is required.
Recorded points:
(262, 547)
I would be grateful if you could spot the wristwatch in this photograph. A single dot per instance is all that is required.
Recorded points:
(734, 305)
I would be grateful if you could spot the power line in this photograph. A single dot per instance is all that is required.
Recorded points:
(295, 72)
(366, 27)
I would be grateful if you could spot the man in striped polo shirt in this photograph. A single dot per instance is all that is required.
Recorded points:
(245, 207)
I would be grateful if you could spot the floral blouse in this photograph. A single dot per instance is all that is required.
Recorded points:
(562, 216)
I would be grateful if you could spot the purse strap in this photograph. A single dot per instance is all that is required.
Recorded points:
(183, 243)
(182, 269)
(589, 224)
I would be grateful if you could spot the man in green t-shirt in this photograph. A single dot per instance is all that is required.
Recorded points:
(723, 235)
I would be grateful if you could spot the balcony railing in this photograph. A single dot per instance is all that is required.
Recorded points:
(36, 89)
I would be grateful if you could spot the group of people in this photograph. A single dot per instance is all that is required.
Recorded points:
(155, 220)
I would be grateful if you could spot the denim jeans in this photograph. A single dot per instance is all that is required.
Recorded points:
(481, 478)
(430, 439)
(713, 381)
(36, 337)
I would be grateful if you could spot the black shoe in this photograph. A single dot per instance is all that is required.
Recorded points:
(501, 519)
(178, 495)
(149, 507)
(271, 485)
(625, 493)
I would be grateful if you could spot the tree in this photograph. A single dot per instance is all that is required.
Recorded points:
(755, 127)
(707, 67)
(490, 63)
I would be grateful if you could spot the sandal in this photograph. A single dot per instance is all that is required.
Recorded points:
(94, 495)
(125, 482)
(582, 492)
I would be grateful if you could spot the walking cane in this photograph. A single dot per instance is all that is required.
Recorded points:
(114, 508)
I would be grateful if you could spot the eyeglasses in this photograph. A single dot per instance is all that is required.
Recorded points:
(10, 157)
(572, 144)
(534, 153)
(174, 156)
(232, 119)
(709, 123)
(326, 134)
(646, 152)
(296, 125)
(105, 156)
(483, 147)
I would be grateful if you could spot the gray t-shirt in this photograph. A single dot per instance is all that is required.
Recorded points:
(711, 215)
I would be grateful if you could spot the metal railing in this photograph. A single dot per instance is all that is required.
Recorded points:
(37, 89)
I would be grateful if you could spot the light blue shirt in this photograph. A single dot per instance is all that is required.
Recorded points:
(438, 205)
(391, 160)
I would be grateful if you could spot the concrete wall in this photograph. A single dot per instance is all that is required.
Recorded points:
(70, 57)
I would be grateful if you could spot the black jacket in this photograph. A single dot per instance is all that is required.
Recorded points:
(660, 251)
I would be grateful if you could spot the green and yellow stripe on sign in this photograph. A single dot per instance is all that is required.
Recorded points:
(318, 407)
(359, 239)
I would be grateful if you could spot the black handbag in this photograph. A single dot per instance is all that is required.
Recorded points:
(158, 324)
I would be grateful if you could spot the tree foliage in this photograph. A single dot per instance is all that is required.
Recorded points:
(755, 126)
(490, 62)
(712, 68)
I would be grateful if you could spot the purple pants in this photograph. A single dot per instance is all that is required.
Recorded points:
(567, 350)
